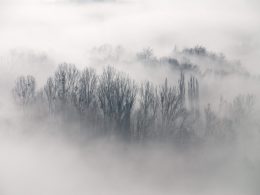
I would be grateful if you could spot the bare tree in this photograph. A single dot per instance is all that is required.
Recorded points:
(146, 54)
(87, 89)
(217, 126)
(242, 107)
(125, 97)
(116, 94)
(182, 90)
(147, 57)
(106, 95)
(66, 80)
(86, 98)
(170, 107)
(147, 111)
(193, 95)
(211, 121)
(24, 90)
(51, 93)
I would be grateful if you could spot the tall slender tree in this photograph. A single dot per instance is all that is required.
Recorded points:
(24, 90)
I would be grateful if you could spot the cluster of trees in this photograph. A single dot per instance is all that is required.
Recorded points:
(113, 103)
(192, 60)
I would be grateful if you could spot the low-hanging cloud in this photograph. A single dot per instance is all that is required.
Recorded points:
(48, 155)
(135, 24)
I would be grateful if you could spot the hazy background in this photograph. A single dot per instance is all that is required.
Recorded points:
(37, 35)
(67, 29)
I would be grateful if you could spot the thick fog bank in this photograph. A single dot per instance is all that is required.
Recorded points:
(68, 28)
(47, 165)
(129, 97)
(39, 157)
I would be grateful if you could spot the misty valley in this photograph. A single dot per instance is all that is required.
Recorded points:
(113, 104)
(129, 97)
(165, 132)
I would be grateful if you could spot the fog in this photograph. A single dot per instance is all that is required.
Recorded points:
(47, 147)
(67, 29)
(51, 164)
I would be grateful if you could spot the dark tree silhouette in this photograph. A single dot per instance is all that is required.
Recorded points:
(66, 80)
(113, 103)
(171, 108)
(116, 94)
(147, 110)
(50, 91)
(193, 95)
(86, 97)
(24, 90)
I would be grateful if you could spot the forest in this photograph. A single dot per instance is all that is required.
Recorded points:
(113, 104)
(129, 97)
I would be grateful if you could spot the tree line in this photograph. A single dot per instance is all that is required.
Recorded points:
(114, 104)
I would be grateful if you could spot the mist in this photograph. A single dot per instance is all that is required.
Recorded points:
(202, 57)
(68, 28)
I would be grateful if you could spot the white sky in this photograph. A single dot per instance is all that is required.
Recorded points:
(71, 27)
